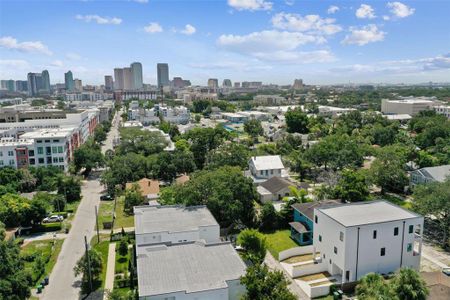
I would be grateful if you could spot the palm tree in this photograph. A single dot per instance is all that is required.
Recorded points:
(374, 287)
(299, 195)
(409, 286)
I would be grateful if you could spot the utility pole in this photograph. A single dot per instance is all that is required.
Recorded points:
(88, 263)
(96, 221)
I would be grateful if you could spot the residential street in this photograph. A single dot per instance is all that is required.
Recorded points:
(63, 284)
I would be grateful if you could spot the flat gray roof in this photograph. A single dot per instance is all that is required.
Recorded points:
(148, 219)
(190, 267)
(438, 173)
(368, 212)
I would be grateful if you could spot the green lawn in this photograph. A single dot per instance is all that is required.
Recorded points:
(395, 200)
(279, 241)
(49, 254)
(105, 212)
(102, 248)
(122, 219)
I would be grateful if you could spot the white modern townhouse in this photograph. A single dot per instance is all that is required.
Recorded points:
(180, 256)
(352, 240)
(360, 238)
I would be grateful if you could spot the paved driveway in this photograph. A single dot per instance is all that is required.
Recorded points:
(63, 283)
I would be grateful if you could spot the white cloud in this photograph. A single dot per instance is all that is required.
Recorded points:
(266, 41)
(289, 2)
(308, 23)
(365, 11)
(99, 20)
(386, 18)
(407, 66)
(363, 35)
(276, 46)
(141, 1)
(332, 9)
(400, 10)
(73, 56)
(188, 29)
(251, 5)
(153, 27)
(9, 42)
(301, 57)
(14, 63)
(57, 63)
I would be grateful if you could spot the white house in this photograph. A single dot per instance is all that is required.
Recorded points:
(189, 271)
(180, 255)
(374, 236)
(174, 224)
(262, 168)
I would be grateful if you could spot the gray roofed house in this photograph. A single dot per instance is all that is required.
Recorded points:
(174, 224)
(191, 270)
(262, 168)
(429, 174)
(367, 212)
(307, 209)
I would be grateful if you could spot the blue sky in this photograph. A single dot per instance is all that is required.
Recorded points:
(267, 40)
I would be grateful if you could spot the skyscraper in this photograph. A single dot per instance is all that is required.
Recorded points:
(226, 83)
(127, 79)
(162, 70)
(298, 84)
(118, 79)
(68, 80)
(213, 83)
(78, 85)
(21, 85)
(35, 84)
(109, 83)
(45, 81)
(136, 76)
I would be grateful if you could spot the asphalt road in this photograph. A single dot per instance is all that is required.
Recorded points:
(63, 284)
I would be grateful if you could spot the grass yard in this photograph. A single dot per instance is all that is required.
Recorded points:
(121, 265)
(102, 248)
(49, 255)
(122, 219)
(395, 200)
(105, 212)
(279, 241)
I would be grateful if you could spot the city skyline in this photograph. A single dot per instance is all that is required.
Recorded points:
(270, 41)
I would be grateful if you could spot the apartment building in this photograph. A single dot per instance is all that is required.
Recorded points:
(443, 110)
(46, 147)
(176, 115)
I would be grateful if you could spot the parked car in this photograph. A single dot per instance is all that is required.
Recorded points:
(53, 219)
(106, 197)
(446, 271)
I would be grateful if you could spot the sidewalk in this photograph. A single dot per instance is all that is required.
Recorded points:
(109, 280)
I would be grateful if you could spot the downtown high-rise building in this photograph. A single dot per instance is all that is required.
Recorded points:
(118, 79)
(127, 79)
(68, 81)
(45, 81)
(162, 72)
(21, 85)
(109, 83)
(226, 83)
(136, 76)
(38, 83)
(298, 84)
(213, 83)
(78, 85)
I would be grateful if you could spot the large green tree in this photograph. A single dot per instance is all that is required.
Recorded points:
(254, 244)
(225, 191)
(88, 156)
(14, 279)
(388, 170)
(296, 121)
(229, 154)
(263, 284)
(433, 200)
(140, 141)
(253, 128)
(70, 188)
(352, 186)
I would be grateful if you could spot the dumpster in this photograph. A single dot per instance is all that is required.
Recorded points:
(39, 289)
(46, 280)
(43, 284)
